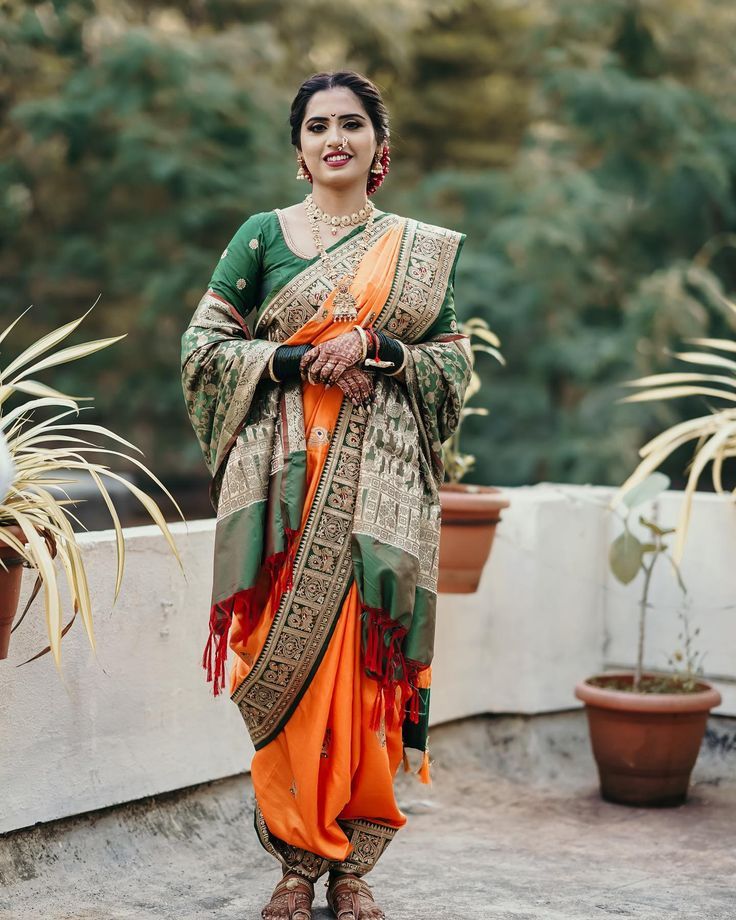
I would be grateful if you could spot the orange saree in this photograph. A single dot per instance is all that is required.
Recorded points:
(330, 624)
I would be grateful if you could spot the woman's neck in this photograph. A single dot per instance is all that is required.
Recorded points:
(338, 202)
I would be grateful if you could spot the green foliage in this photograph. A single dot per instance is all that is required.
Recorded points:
(628, 556)
(587, 150)
(583, 253)
(136, 156)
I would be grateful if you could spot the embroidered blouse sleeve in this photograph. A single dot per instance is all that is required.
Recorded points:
(237, 276)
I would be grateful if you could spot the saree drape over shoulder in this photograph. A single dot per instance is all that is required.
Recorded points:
(327, 534)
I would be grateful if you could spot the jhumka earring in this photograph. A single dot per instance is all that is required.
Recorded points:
(379, 170)
(303, 172)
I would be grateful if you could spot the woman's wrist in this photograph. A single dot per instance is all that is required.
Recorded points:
(384, 352)
(284, 363)
(401, 364)
(364, 344)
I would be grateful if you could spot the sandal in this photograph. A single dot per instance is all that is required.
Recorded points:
(350, 898)
(291, 900)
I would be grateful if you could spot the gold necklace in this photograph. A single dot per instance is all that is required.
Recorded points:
(344, 306)
(343, 220)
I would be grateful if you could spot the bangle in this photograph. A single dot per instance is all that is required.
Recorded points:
(401, 367)
(371, 340)
(363, 342)
(270, 368)
(375, 361)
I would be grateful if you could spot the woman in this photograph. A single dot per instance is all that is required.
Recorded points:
(321, 420)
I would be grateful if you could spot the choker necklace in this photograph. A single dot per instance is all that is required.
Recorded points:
(344, 306)
(345, 220)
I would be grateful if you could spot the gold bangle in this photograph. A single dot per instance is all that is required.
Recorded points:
(270, 368)
(363, 342)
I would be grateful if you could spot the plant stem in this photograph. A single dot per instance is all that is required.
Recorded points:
(642, 622)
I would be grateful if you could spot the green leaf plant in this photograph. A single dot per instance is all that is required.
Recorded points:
(628, 556)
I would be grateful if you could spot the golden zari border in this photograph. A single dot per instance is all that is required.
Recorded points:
(368, 839)
(307, 614)
(298, 301)
(425, 262)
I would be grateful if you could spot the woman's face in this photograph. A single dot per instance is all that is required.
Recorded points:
(330, 116)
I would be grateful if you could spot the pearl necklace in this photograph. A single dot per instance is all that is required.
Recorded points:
(344, 220)
(344, 306)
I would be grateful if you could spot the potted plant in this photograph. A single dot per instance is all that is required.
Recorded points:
(646, 728)
(470, 513)
(34, 522)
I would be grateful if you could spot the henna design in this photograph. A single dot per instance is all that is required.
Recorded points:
(358, 385)
(326, 362)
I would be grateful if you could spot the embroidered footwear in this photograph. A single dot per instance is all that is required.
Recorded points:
(291, 900)
(350, 898)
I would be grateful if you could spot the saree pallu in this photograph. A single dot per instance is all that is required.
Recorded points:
(327, 542)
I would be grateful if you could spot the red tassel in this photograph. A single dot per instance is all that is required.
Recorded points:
(275, 577)
(385, 662)
(207, 657)
(414, 707)
(413, 697)
(373, 644)
(220, 620)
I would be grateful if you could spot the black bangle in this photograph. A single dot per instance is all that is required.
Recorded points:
(286, 360)
(389, 349)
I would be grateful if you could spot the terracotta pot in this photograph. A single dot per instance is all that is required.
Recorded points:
(645, 744)
(9, 587)
(469, 518)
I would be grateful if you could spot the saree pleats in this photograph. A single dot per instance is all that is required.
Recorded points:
(327, 765)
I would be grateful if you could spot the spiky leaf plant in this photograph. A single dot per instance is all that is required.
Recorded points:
(715, 433)
(41, 453)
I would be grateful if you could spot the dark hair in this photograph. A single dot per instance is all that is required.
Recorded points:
(364, 89)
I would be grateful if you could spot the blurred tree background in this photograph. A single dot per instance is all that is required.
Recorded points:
(587, 150)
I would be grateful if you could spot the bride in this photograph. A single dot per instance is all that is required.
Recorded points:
(322, 370)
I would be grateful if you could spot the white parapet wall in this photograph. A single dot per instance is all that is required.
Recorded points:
(138, 719)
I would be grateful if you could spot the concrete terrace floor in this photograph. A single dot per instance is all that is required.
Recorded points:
(512, 829)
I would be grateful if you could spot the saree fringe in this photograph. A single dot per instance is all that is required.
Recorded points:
(423, 772)
(386, 664)
(274, 578)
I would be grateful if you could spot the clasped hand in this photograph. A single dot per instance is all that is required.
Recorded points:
(334, 362)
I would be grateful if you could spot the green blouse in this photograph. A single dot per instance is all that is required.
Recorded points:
(257, 263)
